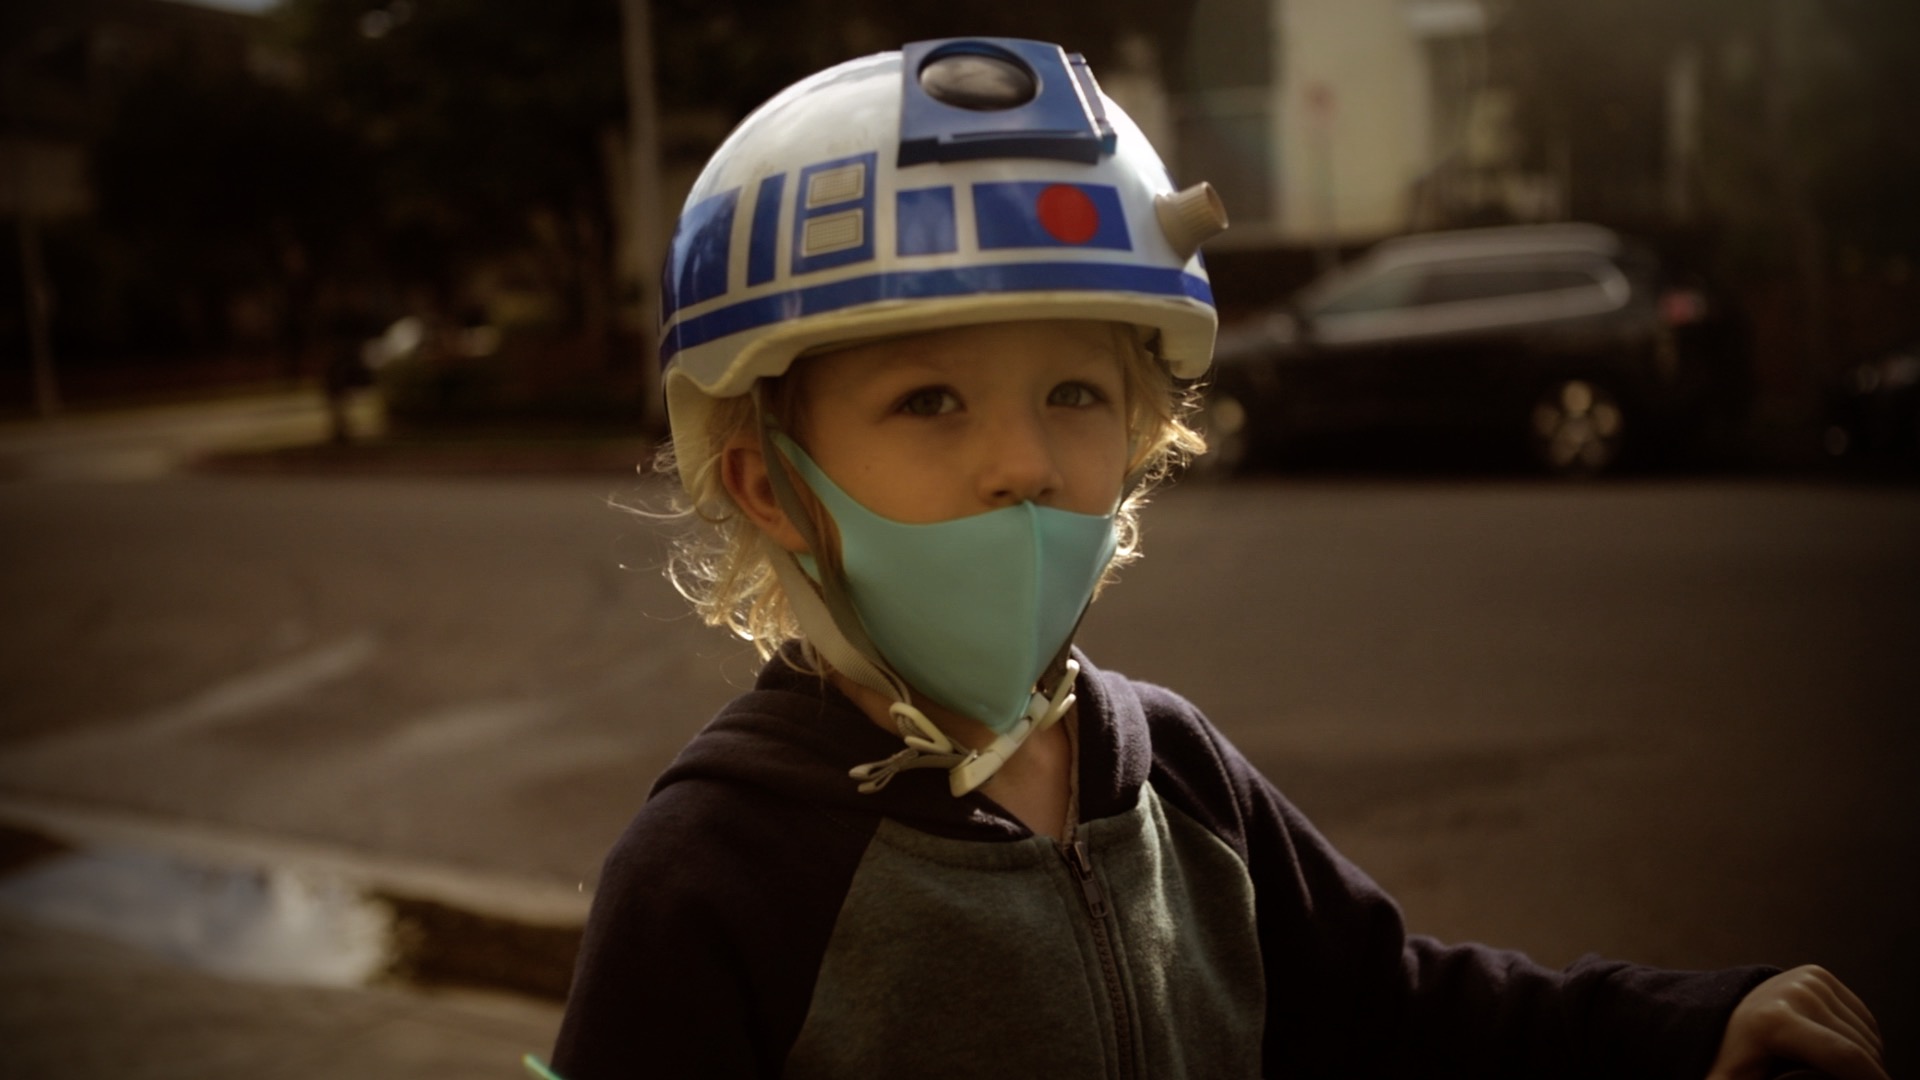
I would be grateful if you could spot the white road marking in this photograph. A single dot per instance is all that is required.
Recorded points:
(462, 727)
(225, 702)
(257, 691)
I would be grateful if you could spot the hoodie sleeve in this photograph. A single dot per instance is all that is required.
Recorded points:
(1351, 993)
(706, 935)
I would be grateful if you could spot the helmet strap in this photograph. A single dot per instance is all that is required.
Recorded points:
(812, 612)
(823, 609)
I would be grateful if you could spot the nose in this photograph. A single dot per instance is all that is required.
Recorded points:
(1020, 463)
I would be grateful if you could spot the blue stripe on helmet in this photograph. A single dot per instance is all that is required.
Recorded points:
(923, 222)
(764, 238)
(929, 284)
(699, 253)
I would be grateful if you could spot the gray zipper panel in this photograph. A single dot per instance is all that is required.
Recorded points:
(965, 959)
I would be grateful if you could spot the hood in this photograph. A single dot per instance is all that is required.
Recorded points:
(795, 736)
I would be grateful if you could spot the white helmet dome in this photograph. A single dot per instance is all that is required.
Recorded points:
(954, 182)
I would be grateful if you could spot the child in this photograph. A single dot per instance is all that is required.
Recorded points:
(923, 318)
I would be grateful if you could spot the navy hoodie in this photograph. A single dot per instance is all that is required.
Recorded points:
(760, 917)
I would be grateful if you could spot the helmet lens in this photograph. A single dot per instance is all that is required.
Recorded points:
(977, 81)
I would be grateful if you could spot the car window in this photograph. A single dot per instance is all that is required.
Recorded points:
(1394, 289)
(1453, 284)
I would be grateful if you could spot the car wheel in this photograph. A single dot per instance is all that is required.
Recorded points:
(1577, 427)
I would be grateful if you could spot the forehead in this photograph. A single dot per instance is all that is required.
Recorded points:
(986, 346)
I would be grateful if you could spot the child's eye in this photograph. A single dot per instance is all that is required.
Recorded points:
(931, 401)
(1075, 395)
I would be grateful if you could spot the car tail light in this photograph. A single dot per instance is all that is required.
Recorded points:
(1682, 307)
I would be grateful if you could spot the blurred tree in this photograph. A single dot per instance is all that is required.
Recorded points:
(1822, 82)
(214, 182)
(1857, 117)
(489, 125)
(193, 198)
(1590, 81)
(1800, 162)
(737, 53)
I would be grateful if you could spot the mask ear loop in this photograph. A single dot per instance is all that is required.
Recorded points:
(823, 609)
(826, 614)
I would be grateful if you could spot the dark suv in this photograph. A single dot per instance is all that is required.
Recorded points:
(1565, 339)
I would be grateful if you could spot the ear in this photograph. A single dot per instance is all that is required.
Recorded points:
(743, 470)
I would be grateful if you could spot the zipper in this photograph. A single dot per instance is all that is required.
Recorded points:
(1080, 862)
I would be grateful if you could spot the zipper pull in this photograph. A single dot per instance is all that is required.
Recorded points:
(1082, 863)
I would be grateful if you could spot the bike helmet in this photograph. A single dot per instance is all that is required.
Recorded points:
(956, 181)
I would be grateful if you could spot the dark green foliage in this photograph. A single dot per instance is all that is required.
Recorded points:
(226, 179)
(1804, 107)
(486, 123)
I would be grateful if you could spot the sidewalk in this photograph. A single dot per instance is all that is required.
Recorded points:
(288, 433)
(139, 950)
(85, 994)
(80, 1008)
(143, 442)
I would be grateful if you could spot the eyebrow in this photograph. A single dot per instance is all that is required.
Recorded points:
(911, 356)
(892, 374)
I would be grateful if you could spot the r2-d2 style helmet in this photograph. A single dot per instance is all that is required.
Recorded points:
(958, 181)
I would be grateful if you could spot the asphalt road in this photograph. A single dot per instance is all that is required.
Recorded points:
(1672, 721)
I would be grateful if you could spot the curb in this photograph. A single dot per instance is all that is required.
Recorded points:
(624, 458)
(253, 906)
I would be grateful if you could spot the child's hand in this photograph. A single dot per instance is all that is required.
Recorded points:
(1804, 1015)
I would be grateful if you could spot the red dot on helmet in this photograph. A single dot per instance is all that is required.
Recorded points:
(1067, 214)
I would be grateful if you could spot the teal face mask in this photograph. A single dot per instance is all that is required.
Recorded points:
(970, 611)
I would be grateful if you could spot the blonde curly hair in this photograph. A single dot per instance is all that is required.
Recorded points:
(719, 559)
